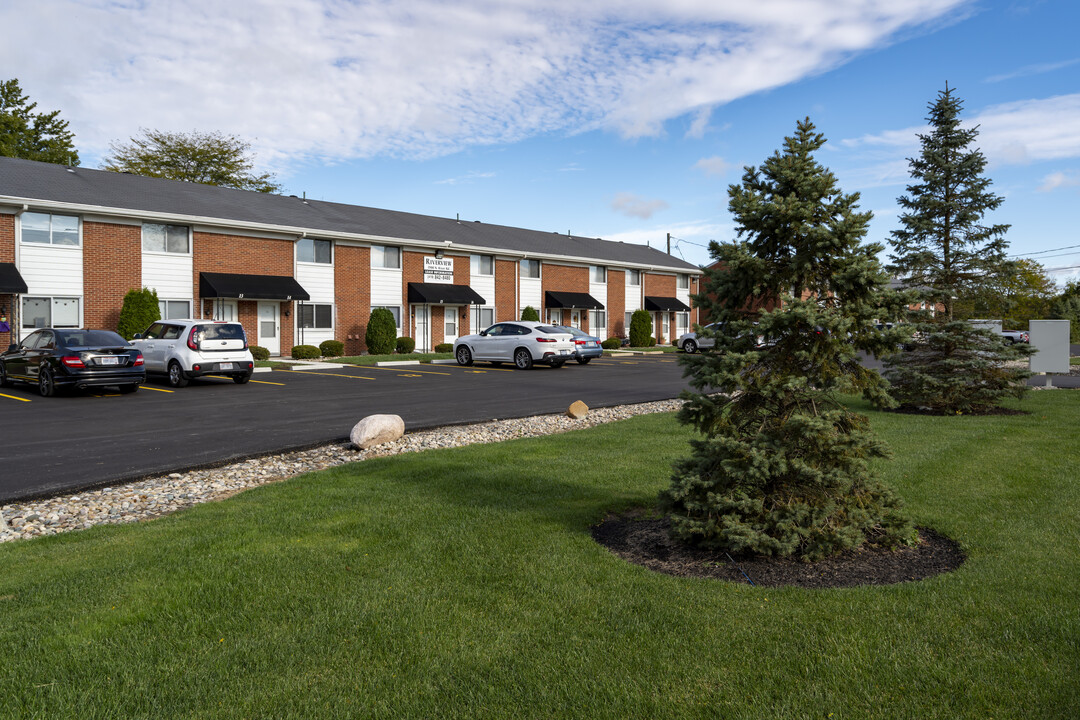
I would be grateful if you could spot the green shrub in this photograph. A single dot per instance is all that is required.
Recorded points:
(641, 329)
(305, 352)
(612, 343)
(332, 348)
(444, 347)
(381, 335)
(529, 313)
(139, 310)
(405, 345)
(259, 352)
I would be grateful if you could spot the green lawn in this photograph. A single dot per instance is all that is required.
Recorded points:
(464, 583)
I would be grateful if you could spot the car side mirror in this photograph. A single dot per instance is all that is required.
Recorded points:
(137, 336)
(13, 347)
(483, 333)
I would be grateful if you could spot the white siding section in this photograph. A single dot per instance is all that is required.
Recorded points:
(318, 280)
(484, 285)
(683, 294)
(599, 291)
(633, 298)
(52, 269)
(530, 295)
(172, 276)
(308, 336)
(385, 286)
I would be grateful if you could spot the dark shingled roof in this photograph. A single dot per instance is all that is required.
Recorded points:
(29, 181)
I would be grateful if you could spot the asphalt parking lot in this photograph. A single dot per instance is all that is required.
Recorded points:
(86, 439)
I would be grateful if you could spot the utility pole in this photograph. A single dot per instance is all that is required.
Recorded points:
(669, 243)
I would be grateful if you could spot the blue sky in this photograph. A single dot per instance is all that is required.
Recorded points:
(619, 119)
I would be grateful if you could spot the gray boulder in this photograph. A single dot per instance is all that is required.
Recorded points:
(376, 430)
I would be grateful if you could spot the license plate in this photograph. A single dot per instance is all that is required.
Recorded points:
(109, 360)
(225, 366)
(564, 352)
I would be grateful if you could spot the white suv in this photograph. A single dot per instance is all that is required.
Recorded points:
(184, 349)
(521, 342)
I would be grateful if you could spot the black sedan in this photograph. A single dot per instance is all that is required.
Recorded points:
(52, 359)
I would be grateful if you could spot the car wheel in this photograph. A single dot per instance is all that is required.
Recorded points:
(523, 359)
(464, 356)
(583, 361)
(46, 387)
(129, 388)
(242, 379)
(176, 375)
(4, 382)
(690, 346)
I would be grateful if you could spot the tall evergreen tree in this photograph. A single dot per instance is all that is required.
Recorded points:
(944, 249)
(783, 468)
(29, 135)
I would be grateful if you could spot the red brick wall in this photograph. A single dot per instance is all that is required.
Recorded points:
(7, 255)
(112, 265)
(462, 276)
(214, 252)
(506, 279)
(616, 304)
(659, 285)
(563, 278)
(352, 296)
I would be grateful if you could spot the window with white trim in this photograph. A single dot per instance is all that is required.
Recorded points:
(315, 316)
(482, 318)
(172, 239)
(684, 281)
(386, 256)
(682, 322)
(47, 229)
(395, 310)
(174, 309)
(310, 250)
(530, 268)
(626, 327)
(58, 312)
(599, 274)
(598, 323)
(483, 265)
(633, 277)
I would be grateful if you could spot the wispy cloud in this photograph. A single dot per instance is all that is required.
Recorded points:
(336, 79)
(715, 165)
(1056, 180)
(1029, 70)
(465, 179)
(690, 238)
(635, 206)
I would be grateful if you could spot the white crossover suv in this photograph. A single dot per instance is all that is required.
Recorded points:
(184, 349)
(521, 342)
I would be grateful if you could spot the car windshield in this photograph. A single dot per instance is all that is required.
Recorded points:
(222, 332)
(89, 338)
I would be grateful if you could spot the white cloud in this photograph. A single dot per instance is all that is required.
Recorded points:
(339, 79)
(1029, 70)
(715, 165)
(691, 238)
(635, 206)
(1055, 180)
(465, 179)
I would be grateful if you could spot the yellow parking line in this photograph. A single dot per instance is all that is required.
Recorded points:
(147, 387)
(312, 372)
(400, 369)
(16, 398)
(486, 367)
(266, 382)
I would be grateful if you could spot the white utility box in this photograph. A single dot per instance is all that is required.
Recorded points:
(1050, 340)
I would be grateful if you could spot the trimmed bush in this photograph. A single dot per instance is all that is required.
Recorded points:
(641, 329)
(444, 347)
(529, 313)
(332, 348)
(612, 343)
(305, 352)
(405, 345)
(259, 352)
(381, 335)
(139, 310)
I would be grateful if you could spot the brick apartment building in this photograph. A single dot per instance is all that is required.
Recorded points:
(294, 271)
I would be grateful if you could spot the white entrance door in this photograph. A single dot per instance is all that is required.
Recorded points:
(665, 324)
(270, 327)
(575, 318)
(423, 327)
(451, 318)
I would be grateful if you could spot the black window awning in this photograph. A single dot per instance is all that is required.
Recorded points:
(573, 300)
(10, 279)
(442, 294)
(665, 304)
(250, 287)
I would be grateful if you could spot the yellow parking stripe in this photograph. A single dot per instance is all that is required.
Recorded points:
(147, 387)
(400, 369)
(12, 397)
(266, 382)
(312, 372)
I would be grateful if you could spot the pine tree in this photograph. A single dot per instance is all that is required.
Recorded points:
(139, 310)
(945, 251)
(30, 135)
(783, 468)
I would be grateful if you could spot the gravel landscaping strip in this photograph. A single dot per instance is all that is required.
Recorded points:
(156, 496)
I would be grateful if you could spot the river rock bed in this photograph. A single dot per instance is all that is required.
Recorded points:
(163, 494)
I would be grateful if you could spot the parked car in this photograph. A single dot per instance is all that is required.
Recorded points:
(54, 358)
(186, 349)
(691, 343)
(521, 342)
(586, 346)
(1015, 336)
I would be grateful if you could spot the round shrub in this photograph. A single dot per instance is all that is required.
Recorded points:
(405, 345)
(259, 352)
(140, 308)
(381, 335)
(529, 313)
(641, 329)
(612, 343)
(444, 347)
(305, 352)
(332, 348)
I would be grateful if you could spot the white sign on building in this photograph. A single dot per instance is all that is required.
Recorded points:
(439, 270)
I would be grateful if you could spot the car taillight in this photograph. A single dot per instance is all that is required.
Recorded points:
(72, 361)
(191, 339)
(580, 342)
(138, 360)
(544, 339)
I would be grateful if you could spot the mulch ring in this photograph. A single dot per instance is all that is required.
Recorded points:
(646, 540)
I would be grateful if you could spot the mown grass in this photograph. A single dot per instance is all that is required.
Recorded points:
(464, 583)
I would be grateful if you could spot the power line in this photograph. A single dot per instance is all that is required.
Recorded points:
(1043, 252)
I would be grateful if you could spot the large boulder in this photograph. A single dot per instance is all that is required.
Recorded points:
(376, 430)
(577, 410)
